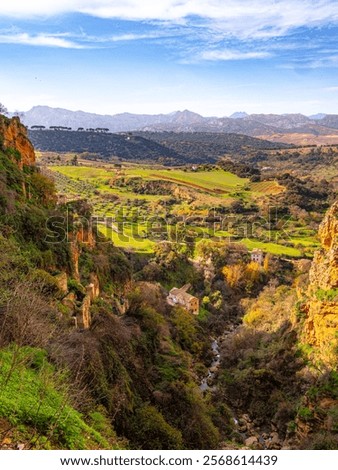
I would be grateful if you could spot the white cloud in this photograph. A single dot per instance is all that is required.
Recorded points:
(233, 55)
(313, 63)
(135, 37)
(239, 18)
(46, 40)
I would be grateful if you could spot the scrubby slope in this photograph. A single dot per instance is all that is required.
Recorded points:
(101, 360)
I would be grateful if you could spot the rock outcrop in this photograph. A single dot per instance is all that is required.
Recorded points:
(14, 135)
(321, 308)
(62, 282)
(324, 269)
(81, 237)
(83, 318)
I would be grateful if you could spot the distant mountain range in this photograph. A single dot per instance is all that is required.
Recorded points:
(268, 126)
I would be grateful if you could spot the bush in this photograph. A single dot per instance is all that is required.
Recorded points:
(45, 282)
(150, 430)
(185, 329)
(329, 295)
(26, 316)
(77, 288)
(42, 189)
(189, 413)
(305, 413)
(321, 441)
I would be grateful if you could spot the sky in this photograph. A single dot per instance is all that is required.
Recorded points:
(213, 57)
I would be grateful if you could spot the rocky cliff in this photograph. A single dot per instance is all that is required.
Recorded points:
(13, 135)
(321, 308)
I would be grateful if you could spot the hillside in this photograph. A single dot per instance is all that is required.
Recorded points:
(92, 354)
(207, 202)
(90, 358)
(207, 145)
(165, 148)
(283, 357)
(105, 146)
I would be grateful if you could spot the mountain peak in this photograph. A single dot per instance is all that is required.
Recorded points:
(239, 115)
(318, 116)
(187, 113)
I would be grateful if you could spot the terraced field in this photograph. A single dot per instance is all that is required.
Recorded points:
(138, 197)
(217, 181)
(267, 187)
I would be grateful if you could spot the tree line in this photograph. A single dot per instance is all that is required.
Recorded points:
(65, 128)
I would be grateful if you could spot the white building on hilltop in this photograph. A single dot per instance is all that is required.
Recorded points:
(257, 256)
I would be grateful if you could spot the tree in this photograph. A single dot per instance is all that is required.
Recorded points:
(253, 272)
(74, 160)
(3, 109)
(234, 274)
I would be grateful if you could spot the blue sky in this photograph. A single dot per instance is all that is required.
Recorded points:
(213, 57)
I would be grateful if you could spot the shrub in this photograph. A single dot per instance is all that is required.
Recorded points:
(76, 287)
(26, 316)
(321, 441)
(305, 413)
(151, 431)
(329, 295)
(185, 329)
(45, 282)
(42, 189)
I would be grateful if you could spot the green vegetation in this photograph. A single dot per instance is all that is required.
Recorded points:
(272, 248)
(140, 194)
(35, 399)
(127, 240)
(327, 295)
(91, 353)
(68, 387)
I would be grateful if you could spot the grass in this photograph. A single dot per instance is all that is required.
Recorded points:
(329, 295)
(84, 172)
(32, 397)
(127, 240)
(208, 188)
(215, 181)
(307, 242)
(272, 248)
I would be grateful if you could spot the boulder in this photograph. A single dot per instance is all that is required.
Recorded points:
(251, 441)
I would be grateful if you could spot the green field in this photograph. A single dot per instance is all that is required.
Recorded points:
(273, 248)
(128, 240)
(215, 181)
(112, 192)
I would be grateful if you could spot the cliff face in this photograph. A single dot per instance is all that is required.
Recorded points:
(82, 236)
(324, 269)
(14, 135)
(321, 323)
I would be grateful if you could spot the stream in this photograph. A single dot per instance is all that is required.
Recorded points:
(207, 381)
(251, 434)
